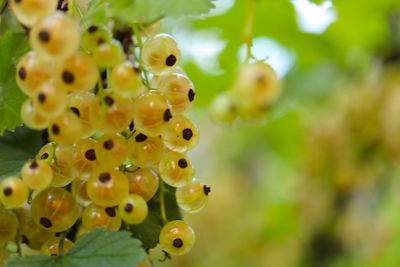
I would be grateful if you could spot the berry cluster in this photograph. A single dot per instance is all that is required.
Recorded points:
(254, 90)
(114, 115)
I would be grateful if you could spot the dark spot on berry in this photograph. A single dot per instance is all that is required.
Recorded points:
(100, 41)
(24, 240)
(182, 163)
(45, 222)
(92, 29)
(170, 61)
(7, 191)
(17, 1)
(76, 111)
(128, 207)
(206, 190)
(131, 126)
(111, 212)
(136, 69)
(191, 95)
(187, 134)
(108, 144)
(167, 115)
(178, 243)
(104, 177)
(68, 77)
(140, 137)
(44, 36)
(33, 165)
(41, 97)
(22, 73)
(53, 255)
(90, 154)
(45, 155)
(109, 101)
(55, 129)
(261, 79)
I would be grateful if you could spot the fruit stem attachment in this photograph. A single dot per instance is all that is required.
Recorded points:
(162, 204)
(248, 28)
(144, 76)
(61, 244)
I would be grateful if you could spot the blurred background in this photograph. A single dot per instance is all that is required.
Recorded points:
(317, 183)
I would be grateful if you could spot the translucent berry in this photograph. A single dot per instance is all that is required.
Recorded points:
(179, 91)
(193, 196)
(107, 188)
(78, 190)
(111, 150)
(152, 112)
(55, 209)
(29, 12)
(95, 216)
(80, 103)
(63, 171)
(177, 237)
(52, 245)
(95, 36)
(13, 192)
(180, 135)
(76, 73)
(86, 160)
(32, 72)
(50, 101)
(32, 118)
(175, 169)
(37, 174)
(145, 151)
(109, 54)
(125, 80)
(8, 226)
(143, 182)
(56, 36)
(66, 128)
(160, 54)
(133, 209)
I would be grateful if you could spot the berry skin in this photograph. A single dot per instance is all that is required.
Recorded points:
(107, 188)
(32, 72)
(37, 174)
(152, 112)
(133, 209)
(56, 36)
(51, 246)
(50, 101)
(177, 238)
(113, 114)
(145, 151)
(95, 36)
(78, 190)
(178, 90)
(125, 80)
(76, 73)
(29, 12)
(95, 216)
(109, 54)
(86, 160)
(175, 169)
(32, 118)
(192, 197)
(30, 233)
(180, 135)
(111, 150)
(143, 182)
(8, 226)
(66, 129)
(80, 103)
(13, 192)
(160, 54)
(55, 209)
(63, 171)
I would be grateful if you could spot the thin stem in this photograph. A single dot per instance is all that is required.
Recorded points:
(162, 203)
(248, 29)
(61, 244)
(145, 77)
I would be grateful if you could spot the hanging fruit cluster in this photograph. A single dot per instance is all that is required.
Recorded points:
(118, 136)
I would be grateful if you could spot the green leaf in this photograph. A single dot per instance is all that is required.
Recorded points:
(98, 248)
(16, 148)
(143, 11)
(148, 232)
(12, 46)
